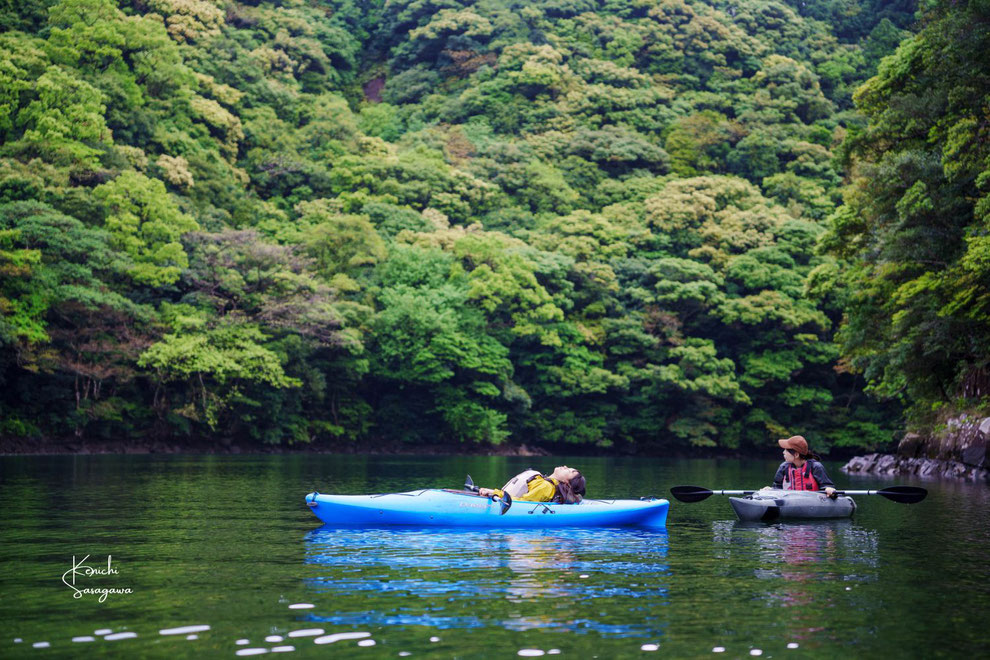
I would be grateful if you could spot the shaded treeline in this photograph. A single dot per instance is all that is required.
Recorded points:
(607, 223)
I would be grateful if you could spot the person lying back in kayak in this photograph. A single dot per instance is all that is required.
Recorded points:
(564, 485)
(801, 469)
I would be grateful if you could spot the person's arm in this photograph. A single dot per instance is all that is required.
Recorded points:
(821, 476)
(488, 492)
(778, 479)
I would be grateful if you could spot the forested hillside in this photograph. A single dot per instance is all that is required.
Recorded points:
(635, 224)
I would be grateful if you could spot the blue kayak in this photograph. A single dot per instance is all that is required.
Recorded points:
(454, 508)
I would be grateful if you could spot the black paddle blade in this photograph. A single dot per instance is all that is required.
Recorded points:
(506, 502)
(690, 493)
(904, 494)
(469, 484)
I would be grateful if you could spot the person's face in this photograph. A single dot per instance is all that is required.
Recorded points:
(564, 473)
(790, 455)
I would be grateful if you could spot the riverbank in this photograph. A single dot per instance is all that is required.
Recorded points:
(958, 451)
(47, 446)
(200, 445)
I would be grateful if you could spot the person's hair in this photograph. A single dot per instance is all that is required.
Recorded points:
(810, 456)
(571, 492)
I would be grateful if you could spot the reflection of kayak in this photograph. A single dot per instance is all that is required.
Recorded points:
(464, 509)
(769, 505)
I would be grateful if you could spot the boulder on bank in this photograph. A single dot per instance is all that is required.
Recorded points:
(957, 452)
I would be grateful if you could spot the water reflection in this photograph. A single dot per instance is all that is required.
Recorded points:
(804, 563)
(512, 579)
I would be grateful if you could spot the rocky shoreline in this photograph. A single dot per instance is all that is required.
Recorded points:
(959, 452)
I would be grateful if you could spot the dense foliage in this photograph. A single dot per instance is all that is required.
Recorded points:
(556, 221)
(915, 225)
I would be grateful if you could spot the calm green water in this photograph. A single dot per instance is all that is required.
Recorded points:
(227, 542)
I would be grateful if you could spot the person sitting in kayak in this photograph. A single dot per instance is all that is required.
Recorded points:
(801, 469)
(564, 485)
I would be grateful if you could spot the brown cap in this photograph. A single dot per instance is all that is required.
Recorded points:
(795, 442)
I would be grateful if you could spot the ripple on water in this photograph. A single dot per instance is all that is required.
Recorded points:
(183, 630)
(306, 632)
(283, 649)
(337, 637)
(254, 651)
(121, 635)
(84, 638)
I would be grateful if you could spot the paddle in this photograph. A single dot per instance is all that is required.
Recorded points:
(902, 494)
(505, 500)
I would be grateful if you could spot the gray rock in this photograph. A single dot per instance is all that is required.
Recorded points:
(911, 445)
(885, 463)
(958, 451)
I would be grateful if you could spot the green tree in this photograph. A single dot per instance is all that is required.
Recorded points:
(146, 223)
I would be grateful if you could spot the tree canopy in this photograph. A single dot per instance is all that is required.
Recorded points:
(649, 225)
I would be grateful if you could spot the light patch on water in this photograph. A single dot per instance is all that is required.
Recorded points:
(41, 645)
(252, 651)
(366, 642)
(283, 649)
(84, 638)
(18, 640)
(103, 631)
(242, 642)
(183, 630)
(306, 632)
(793, 645)
(192, 636)
(122, 635)
(301, 606)
(337, 637)
(756, 652)
(553, 652)
(718, 649)
(434, 639)
(583, 577)
(274, 638)
(530, 653)
(404, 654)
(649, 647)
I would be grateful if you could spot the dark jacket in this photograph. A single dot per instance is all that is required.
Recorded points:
(817, 471)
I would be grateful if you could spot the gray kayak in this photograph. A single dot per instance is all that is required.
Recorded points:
(771, 505)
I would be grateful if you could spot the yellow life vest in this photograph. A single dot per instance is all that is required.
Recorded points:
(537, 487)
